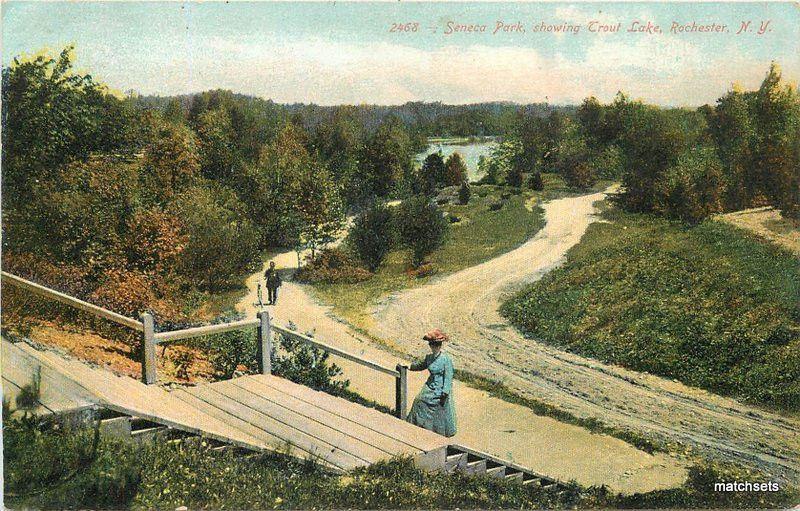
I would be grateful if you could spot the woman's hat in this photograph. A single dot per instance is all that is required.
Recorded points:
(436, 335)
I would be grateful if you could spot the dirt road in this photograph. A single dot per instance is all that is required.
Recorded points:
(465, 305)
(486, 423)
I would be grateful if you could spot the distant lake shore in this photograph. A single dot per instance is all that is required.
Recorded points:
(472, 139)
(470, 148)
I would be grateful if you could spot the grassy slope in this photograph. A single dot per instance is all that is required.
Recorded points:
(711, 306)
(480, 236)
(60, 468)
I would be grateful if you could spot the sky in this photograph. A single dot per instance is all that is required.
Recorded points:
(340, 52)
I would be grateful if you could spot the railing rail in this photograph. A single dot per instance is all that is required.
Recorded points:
(336, 351)
(262, 324)
(177, 335)
(8, 278)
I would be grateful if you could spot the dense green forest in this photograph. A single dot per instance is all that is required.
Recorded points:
(428, 119)
(141, 203)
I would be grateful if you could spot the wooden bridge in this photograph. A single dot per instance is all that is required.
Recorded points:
(258, 412)
(254, 413)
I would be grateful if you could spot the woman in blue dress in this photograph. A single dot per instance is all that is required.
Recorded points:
(433, 407)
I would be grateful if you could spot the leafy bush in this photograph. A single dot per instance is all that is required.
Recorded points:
(489, 167)
(297, 361)
(708, 305)
(331, 265)
(420, 227)
(22, 309)
(580, 175)
(514, 177)
(691, 189)
(431, 175)
(229, 350)
(222, 243)
(652, 140)
(291, 359)
(372, 235)
(607, 164)
(125, 292)
(456, 170)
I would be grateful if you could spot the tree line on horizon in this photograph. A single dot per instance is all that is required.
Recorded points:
(680, 163)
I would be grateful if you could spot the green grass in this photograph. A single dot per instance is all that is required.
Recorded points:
(480, 236)
(709, 305)
(62, 467)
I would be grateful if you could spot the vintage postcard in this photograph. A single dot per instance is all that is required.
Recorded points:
(400, 255)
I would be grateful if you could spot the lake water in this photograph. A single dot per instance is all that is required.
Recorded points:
(470, 152)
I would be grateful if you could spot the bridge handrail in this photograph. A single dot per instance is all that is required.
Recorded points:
(9, 278)
(198, 331)
(336, 351)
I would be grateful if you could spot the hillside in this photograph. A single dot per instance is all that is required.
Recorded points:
(711, 306)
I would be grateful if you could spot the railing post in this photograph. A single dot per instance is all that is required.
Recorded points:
(148, 350)
(264, 346)
(401, 391)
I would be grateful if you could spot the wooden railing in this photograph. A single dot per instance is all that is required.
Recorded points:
(262, 324)
(8, 278)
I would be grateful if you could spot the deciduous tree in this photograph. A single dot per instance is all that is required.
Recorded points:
(455, 170)
(372, 235)
(420, 227)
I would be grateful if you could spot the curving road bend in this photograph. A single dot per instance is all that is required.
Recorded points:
(465, 304)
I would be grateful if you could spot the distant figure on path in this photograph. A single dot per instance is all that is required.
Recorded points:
(273, 283)
(433, 407)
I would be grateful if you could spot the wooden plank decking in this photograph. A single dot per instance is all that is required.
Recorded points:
(255, 412)
(57, 394)
(338, 432)
(122, 394)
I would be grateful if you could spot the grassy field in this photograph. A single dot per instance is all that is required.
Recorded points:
(61, 467)
(712, 306)
(480, 235)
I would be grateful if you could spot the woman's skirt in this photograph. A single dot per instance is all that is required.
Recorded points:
(428, 413)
